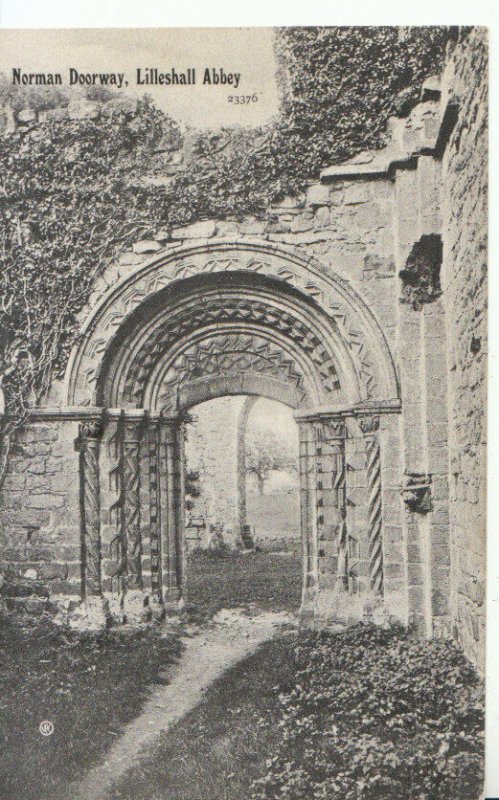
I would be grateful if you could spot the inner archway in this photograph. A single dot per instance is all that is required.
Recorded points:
(242, 507)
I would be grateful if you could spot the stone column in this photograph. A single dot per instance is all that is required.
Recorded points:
(152, 526)
(113, 544)
(94, 613)
(135, 600)
(242, 424)
(331, 502)
(171, 519)
(334, 602)
(308, 520)
(370, 428)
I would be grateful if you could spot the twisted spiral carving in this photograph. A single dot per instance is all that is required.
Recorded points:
(375, 514)
(91, 518)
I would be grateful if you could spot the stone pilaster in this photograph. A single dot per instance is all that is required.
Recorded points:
(334, 603)
(152, 529)
(331, 502)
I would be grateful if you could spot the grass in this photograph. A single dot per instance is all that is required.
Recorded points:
(87, 686)
(272, 581)
(90, 686)
(222, 745)
(365, 714)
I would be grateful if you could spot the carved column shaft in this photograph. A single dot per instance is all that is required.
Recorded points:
(308, 516)
(88, 444)
(331, 496)
(370, 428)
(132, 434)
(155, 511)
(113, 474)
(171, 508)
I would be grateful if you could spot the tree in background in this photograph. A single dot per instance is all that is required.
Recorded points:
(265, 453)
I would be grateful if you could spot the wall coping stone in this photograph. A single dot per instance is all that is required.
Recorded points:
(424, 132)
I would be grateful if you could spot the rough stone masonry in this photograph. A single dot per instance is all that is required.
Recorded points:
(362, 306)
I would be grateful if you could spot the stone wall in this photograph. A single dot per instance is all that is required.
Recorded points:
(211, 450)
(464, 283)
(40, 521)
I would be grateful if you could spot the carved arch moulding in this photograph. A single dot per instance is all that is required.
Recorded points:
(311, 319)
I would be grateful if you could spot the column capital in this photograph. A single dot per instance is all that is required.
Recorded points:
(89, 433)
(344, 410)
(369, 423)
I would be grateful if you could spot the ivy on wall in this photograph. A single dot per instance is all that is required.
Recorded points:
(73, 194)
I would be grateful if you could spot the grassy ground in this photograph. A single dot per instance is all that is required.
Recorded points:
(361, 715)
(219, 748)
(87, 687)
(272, 581)
(90, 686)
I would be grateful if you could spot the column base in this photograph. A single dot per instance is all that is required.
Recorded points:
(136, 607)
(157, 609)
(337, 607)
(324, 607)
(91, 615)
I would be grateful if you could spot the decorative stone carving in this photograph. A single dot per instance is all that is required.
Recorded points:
(155, 511)
(228, 354)
(227, 311)
(88, 446)
(417, 493)
(132, 434)
(117, 544)
(369, 425)
(348, 316)
(331, 480)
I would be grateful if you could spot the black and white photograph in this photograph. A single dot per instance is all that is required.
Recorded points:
(243, 386)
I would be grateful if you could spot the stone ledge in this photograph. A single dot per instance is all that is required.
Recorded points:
(425, 131)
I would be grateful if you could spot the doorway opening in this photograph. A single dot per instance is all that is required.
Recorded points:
(242, 507)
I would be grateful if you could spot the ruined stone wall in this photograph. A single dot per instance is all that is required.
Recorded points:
(464, 207)
(40, 521)
(211, 450)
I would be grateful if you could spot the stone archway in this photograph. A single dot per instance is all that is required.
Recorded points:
(213, 320)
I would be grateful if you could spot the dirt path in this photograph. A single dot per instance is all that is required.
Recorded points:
(231, 636)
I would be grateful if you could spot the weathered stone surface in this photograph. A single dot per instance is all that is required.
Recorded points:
(198, 230)
(163, 235)
(50, 571)
(146, 246)
(131, 259)
(317, 195)
(464, 184)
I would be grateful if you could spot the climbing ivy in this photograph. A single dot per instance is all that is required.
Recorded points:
(74, 192)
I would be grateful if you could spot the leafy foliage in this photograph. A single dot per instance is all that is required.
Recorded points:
(377, 714)
(70, 199)
(265, 452)
(72, 195)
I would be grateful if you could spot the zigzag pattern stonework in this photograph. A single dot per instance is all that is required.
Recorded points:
(349, 318)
